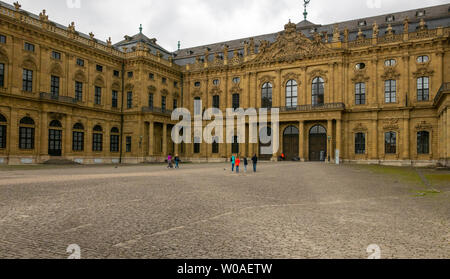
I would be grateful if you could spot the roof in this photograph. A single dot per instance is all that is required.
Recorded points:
(131, 42)
(434, 16)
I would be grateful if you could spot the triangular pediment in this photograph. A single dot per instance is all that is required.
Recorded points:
(291, 45)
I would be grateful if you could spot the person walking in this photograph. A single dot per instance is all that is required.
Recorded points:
(177, 162)
(233, 162)
(169, 161)
(245, 164)
(238, 162)
(255, 162)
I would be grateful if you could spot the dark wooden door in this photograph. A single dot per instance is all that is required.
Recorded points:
(317, 147)
(290, 147)
(54, 142)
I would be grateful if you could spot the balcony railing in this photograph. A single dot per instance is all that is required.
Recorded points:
(156, 110)
(52, 97)
(330, 106)
(444, 88)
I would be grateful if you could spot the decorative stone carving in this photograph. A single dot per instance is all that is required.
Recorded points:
(318, 73)
(151, 89)
(265, 79)
(423, 71)
(164, 92)
(17, 6)
(424, 126)
(360, 127)
(360, 76)
(236, 89)
(406, 25)
(291, 76)
(291, 46)
(390, 73)
(80, 76)
(375, 30)
(197, 92)
(56, 69)
(43, 16)
(336, 34)
(391, 124)
(216, 91)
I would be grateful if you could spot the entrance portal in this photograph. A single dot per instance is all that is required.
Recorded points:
(318, 143)
(290, 143)
(55, 139)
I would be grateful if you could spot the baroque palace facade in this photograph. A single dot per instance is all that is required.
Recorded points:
(375, 89)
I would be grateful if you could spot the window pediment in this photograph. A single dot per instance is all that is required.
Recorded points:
(390, 73)
(360, 76)
(318, 73)
(423, 72)
(291, 76)
(265, 79)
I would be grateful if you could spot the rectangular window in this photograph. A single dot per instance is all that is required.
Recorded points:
(130, 74)
(116, 73)
(360, 143)
(215, 147)
(151, 76)
(150, 100)
(29, 47)
(27, 80)
(115, 97)
(114, 145)
(54, 88)
(78, 91)
(390, 91)
(423, 89)
(99, 68)
(2, 136)
(2, 39)
(391, 143)
(423, 142)
(97, 142)
(197, 105)
(56, 55)
(163, 103)
(175, 104)
(236, 101)
(129, 100)
(196, 148)
(26, 138)
(80, 62)
(78, 141)
(216, 101)
(98, 96)
(2, 75)
(128, 146)
(164, 80)
(360, 93)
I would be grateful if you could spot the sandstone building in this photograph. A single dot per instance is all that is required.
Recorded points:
(375, 89)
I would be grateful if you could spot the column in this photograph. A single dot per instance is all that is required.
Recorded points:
(151, 138)
(447, 130)
(280, 90)
(164, 140)
(406, 140)
(301, 147)
(13, 135)
(330, 140)
(67, 135)
(374, 139)
(43, 138)
(339, 137)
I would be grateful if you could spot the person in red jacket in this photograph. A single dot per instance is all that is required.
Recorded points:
(238, 162)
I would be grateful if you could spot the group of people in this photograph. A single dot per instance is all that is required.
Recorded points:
(171, 160)
(236, 162)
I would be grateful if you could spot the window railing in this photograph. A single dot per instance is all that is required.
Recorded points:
(330, 106)
(53, 97)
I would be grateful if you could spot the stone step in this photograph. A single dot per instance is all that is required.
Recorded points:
(60, 161)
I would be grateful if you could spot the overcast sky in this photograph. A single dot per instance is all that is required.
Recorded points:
(200, 22)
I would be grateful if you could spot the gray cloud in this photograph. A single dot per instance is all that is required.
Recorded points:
(198, 22)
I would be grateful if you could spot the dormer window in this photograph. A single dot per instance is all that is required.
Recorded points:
(216, 82)
(99, 68)
(197, 84)
(130, 74)
(236, 80)
(362, 23)
(420, 13)
(56, 55)
(116, 73)
(390, 18)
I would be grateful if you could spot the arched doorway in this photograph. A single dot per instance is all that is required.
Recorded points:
(290, 142)
(55, 138)
(265, 157)
(317, 143)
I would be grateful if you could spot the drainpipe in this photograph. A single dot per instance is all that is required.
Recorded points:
(121, 114)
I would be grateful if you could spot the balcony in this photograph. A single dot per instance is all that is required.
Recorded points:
(156, 110)
(323, 107)
(57, 98)
(445, 88)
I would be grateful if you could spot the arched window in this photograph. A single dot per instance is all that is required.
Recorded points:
(390, 143)
(318, 91)
(236, 101)
(360, 143)
(291, 94)
(216, 101)
(235, 145)
(266, 96)
(26, 133)
(318, 130)
(423, 142)
(114, 142)
(78, 137)
(2, 131)
(97, 139)
(423, 89)
(55, 124)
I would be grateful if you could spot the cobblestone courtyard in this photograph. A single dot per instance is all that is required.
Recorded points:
(286, 210)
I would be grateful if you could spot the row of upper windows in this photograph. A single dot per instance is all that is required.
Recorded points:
(390, 143)
(392, 62)
(216, 82)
